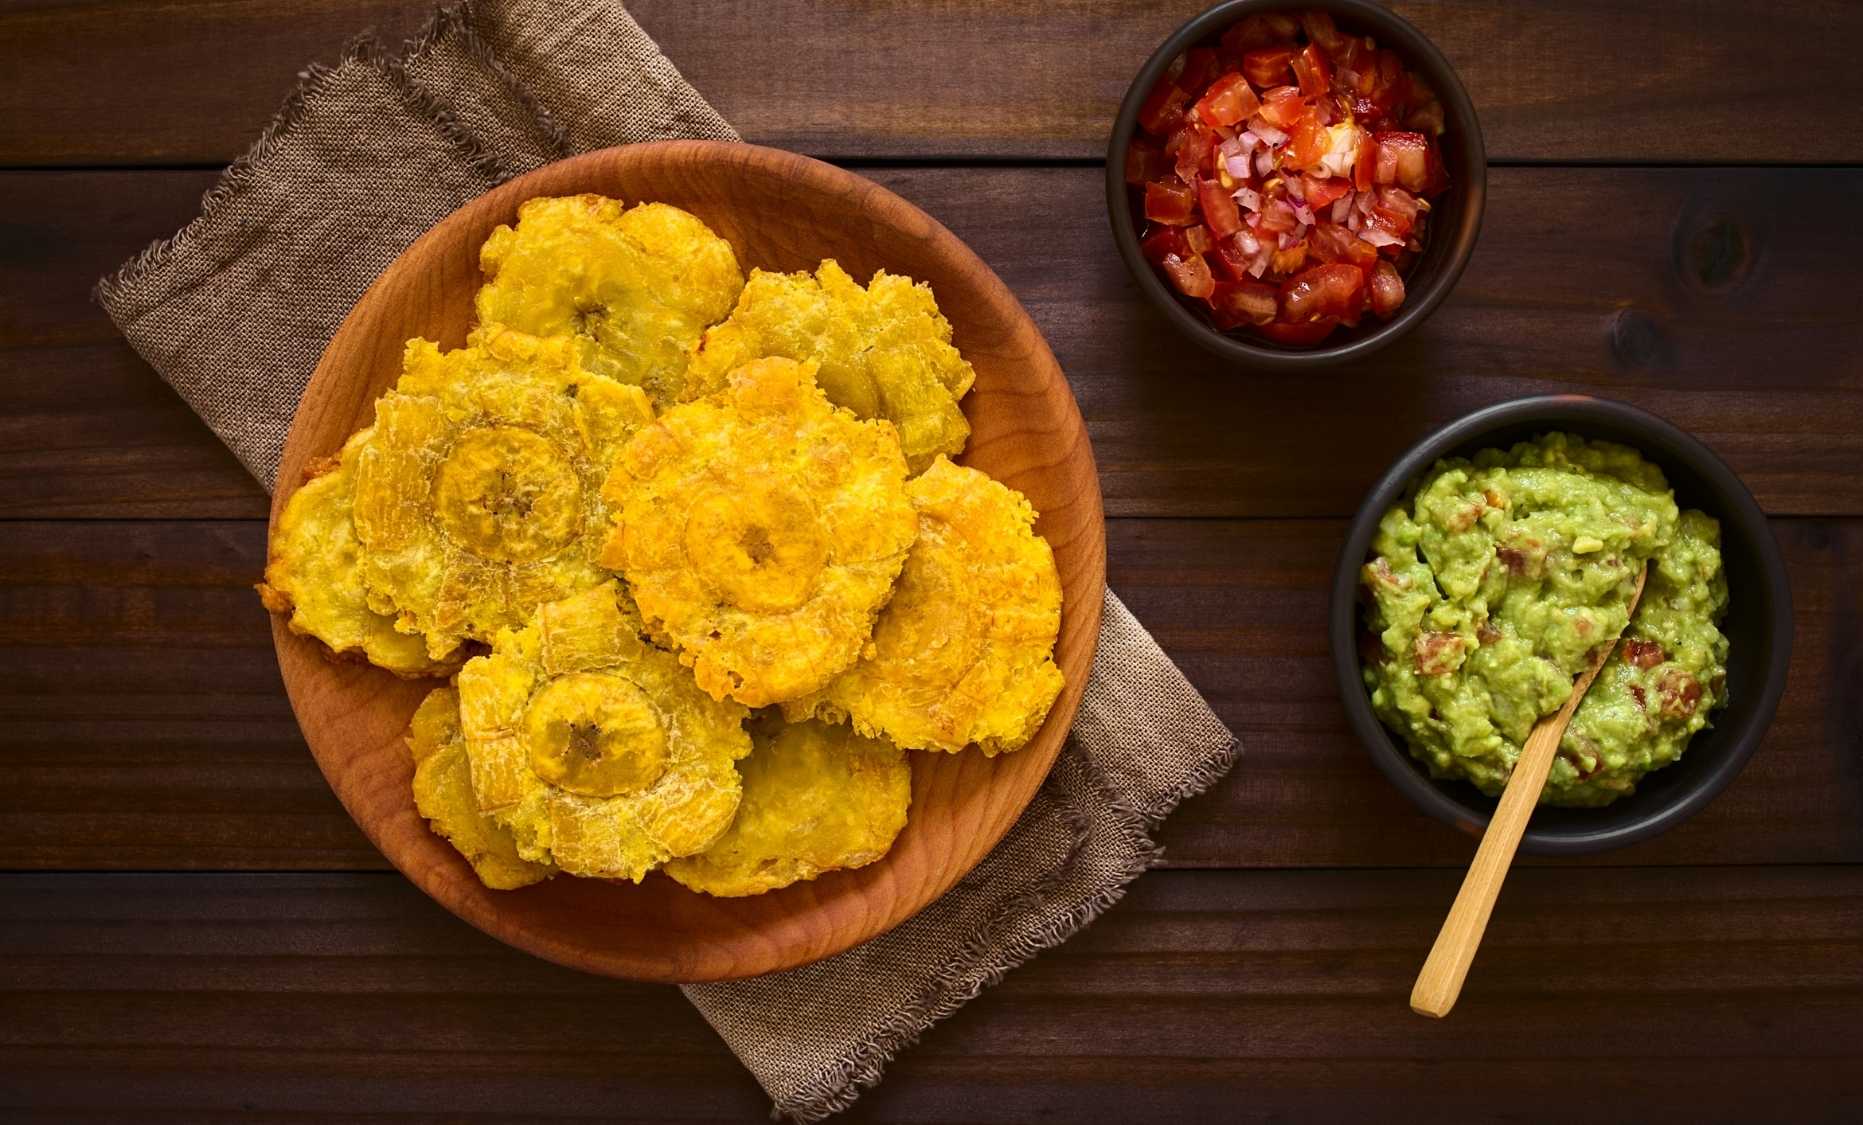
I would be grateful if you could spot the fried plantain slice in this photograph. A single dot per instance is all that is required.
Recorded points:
(311, 577)
(964, 653)
(596, 749)
(817, 798)
(634, 286)
(884, 351)
(760, 530)
(479, 497)
(443, 794)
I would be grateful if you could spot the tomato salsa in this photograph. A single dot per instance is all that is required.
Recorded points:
(1286, 176)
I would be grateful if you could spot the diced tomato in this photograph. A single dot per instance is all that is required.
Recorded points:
(1350, 59)
(1162, 242)
(1328, 290)
(1324, 193)
(1191, 275)
(1277, 216)
(1365, 169)
(1403, 158)
(1229, 100)
(1200, 66)
(1282, 106)
(1320, 28)
(1387, 289)
(1286, 261)
(1313, 72)
(1146, 160)
(1309, 143)
(1232, 259)
(1163, 108)
(1331, 242)
(1235, 303)
(1219, 208)
(1269, 66)
(1173, 204)
(1190, 147)
(1198, 239)
(1311, 332)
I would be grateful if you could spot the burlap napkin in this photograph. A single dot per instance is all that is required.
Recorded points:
(235, 309)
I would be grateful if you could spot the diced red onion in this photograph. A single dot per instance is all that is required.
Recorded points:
(1377, 236)
(1289, 239)
(1342, 207)
(1304, 213)
(1355, 221)
(1247, 242)
(1260, 265)
(1296, 190)
(1237, 165)
(1264, 162)
(1364, 202)
(1253, 219)
(1269, 135)
(1248, 197)
(1230, 147)
(1247, 139)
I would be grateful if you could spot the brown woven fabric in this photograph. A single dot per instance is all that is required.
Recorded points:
(235, 310)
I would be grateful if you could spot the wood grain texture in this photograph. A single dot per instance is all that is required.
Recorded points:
(781, 212)
(143, 724)
(171, 81)
(1605, 995)
(1718, 298)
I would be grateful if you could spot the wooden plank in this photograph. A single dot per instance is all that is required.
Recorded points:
(1239, 996)
(142, 724)
(181, 81)
(1719, 298)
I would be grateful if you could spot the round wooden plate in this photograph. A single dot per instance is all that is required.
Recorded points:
(781, 212)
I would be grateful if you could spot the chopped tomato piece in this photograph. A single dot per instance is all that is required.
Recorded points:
(1269, 66)
(1310, 142)
(1324, 193)
(1200, 66)
(1328, 290)
(1387, 289)
(1365, 168)
(1146, 160)
(1403, 158)
(1288, 260)
(1321, 30)
(1219, 208)
(1229, 100)
(1191, 275)
(1330, 242)
(1198, 239)
(1282, 106)
(1643, 654)
(1277, 216)
(1163, 109)
(1313, 72)
(1350, 59)
(1170, 203)
(1232, 258)
(1190, 147)
(1162, 242)
(1311, 332)
(1243, 302)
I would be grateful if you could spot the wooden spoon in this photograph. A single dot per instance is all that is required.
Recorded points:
(1440, 982)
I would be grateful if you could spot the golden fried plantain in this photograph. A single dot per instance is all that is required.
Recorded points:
(634, 287)
(884, 351)
(816, 798)
(479, 497)
(443, 794)
(760, 530)
(311, 577)
(596, 749)
(964, 652)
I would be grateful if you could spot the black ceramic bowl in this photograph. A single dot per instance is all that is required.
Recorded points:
(1455, 219)
(1758, 624)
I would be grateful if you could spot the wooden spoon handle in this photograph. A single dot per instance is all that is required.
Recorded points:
(1440, 981)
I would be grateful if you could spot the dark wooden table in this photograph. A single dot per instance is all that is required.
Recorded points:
(191, 928)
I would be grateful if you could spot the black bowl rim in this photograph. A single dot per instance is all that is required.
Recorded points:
(1739, 514)
(1459, 112)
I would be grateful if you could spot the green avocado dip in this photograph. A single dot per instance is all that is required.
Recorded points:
(1490, 587)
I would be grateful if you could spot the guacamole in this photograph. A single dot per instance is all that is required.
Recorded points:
(1492, 583)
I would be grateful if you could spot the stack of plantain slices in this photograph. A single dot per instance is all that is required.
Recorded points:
(690, 555)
